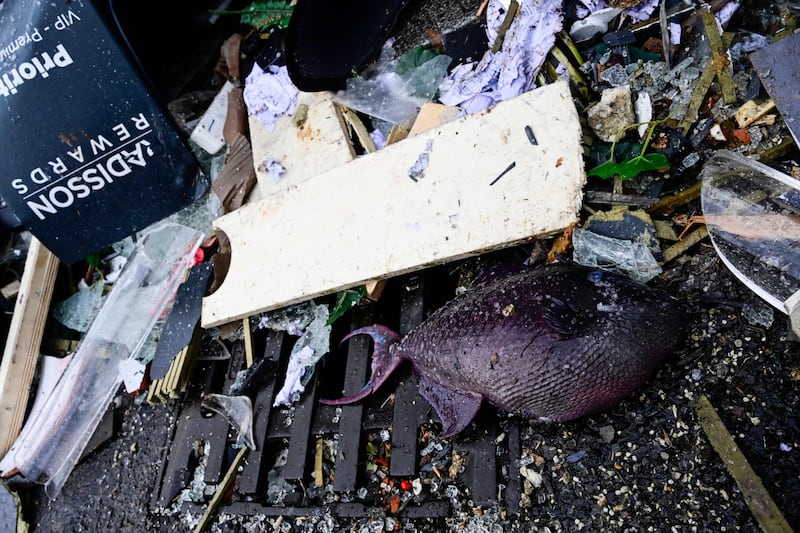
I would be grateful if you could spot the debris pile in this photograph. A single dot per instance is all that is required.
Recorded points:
(365, 166)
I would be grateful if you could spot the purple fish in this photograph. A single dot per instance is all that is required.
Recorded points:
(547, 344)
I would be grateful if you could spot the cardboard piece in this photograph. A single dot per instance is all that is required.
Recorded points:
(483, 185)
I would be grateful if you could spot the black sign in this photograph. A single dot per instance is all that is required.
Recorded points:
(87, 154)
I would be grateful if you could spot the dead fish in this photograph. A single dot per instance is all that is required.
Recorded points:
(548, 344)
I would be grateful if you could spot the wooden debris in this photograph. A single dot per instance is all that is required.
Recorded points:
(513, 8)
(668, 204)
(358, 128)
(10, 291)
(682, 245)
(24, 340)
(432, 116)
(761, 504)
(223, 487)
(719, 58)
(397, 134)
(304, 148)
(176, 380)
(368, 219)
(238, 177)
(248, 342)
(751, 112)
(704, 83)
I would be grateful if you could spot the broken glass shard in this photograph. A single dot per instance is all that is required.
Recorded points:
(755, 227)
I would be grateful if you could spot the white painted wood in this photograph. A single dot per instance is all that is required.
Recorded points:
(305, 146)
(368, 220)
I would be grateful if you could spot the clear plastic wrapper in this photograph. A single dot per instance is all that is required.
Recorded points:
(52, 441)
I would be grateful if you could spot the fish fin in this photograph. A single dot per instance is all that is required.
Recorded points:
(455, 409)
(383, 361)
(563, 318)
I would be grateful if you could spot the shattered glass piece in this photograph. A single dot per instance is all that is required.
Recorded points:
(196, 490)
(11, 518)
(632, 259)
(239, 412)
(293, 319)
(393, 97)
(50, 444)
(307, 351)
(747, 43)
(278, 487)
(616, 75)
(270, 95)
(758, 313)
(78, 311)
(675, 33)
(754, 234)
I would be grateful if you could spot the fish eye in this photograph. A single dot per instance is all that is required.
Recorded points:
(595, 276)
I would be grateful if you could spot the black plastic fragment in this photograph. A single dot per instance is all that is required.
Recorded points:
(181, 322)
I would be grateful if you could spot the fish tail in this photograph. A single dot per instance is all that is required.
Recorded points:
(383, 361)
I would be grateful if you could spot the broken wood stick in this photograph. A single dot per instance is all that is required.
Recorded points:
(761, 504)
(369, 219)
(24, 340)
(677, 249)
(223, 487)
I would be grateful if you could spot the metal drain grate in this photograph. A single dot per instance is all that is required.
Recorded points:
(489, 463)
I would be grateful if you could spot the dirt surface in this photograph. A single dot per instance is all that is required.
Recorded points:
(644, 465)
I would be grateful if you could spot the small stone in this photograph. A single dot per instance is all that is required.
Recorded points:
(606, 433)
(613, 112)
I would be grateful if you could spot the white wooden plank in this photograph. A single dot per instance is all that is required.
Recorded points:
(368, 220)
(306, 144)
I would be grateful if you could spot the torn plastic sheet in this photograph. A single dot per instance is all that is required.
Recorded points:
(51, 443)
(239, 412)
(314, 342)
(270, 95)
(511, 71)
(751, 212)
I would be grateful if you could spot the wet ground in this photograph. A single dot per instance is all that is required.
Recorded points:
(644, 465)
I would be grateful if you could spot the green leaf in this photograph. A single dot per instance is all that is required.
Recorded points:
(601, 151)
(630, 168)
(605, 170)
(262, 14)
(345, 300)
(94, 262)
